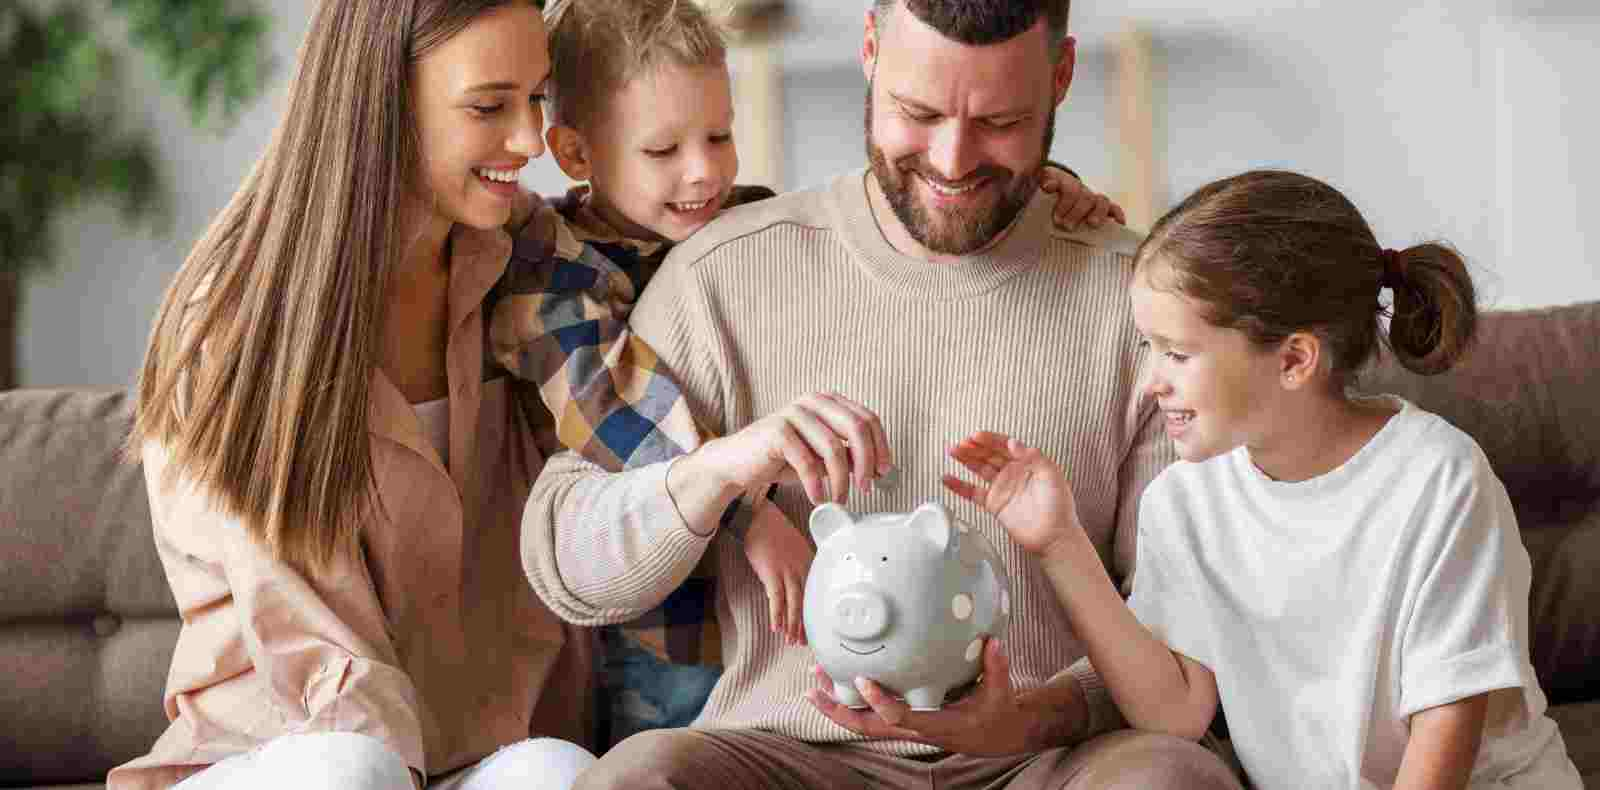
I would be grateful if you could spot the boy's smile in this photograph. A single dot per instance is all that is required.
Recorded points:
(661, 158)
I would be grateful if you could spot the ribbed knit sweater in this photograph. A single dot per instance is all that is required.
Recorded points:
(802, 293)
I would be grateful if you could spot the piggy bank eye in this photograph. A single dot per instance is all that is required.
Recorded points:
(885, 559)
(850, 557)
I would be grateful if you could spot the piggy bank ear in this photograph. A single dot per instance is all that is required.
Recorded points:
(827, 519)
(934, 522)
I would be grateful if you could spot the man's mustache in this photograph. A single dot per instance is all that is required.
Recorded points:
(915, 164)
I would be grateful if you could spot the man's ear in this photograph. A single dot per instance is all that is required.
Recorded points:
(869, 45)
(1066, 63)
(571, 151)
(1299, 359)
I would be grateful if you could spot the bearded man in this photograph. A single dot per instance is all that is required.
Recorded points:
(932, 289)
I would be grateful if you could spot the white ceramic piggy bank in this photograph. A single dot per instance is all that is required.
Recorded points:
(904, 599)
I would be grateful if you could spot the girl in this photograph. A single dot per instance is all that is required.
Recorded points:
(336, 487)
(1343, 574)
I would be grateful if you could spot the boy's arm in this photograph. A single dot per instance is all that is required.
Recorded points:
(1077, 206)
(560, 323)
(602, 547)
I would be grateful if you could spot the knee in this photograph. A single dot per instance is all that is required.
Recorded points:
(650, 758)
(333, 760)
(1133, 759)
(555, 763)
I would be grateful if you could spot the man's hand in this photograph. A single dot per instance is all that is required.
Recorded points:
(1026, 491)
(781, 558)
(1078, 206)
(990, 721)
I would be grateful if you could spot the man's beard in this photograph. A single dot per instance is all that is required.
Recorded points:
(958, 231)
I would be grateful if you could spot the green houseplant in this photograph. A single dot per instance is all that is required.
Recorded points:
(61, 140)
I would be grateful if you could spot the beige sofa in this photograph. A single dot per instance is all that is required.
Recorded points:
(87, 624)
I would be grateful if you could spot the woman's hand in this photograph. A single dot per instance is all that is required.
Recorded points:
(1022, 488)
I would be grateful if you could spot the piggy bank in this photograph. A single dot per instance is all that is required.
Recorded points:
(904, 599)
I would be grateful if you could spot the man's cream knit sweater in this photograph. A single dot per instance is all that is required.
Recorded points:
(801, 294)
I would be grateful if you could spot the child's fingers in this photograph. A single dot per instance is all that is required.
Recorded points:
(796, 595)
(962, 488)
(1063, 214)
(775, 603)
(1081, 208)
(1118, 214)
(985, 462)
(976, 462)
(1099, 211)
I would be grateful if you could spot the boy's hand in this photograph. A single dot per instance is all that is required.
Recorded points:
(1077, 205)
(781, 557)
(1026, 491)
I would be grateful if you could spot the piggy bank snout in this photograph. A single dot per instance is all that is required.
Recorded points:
(860, 613)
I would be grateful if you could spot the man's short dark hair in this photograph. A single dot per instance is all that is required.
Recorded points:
(980, 22)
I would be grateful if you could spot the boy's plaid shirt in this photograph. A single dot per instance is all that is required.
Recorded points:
(559, 321)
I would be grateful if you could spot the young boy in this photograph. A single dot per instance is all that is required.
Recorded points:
(641, 110)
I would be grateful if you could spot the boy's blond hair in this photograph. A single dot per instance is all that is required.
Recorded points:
(598, 46)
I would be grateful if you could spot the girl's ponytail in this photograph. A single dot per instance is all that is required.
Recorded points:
(1435, 311)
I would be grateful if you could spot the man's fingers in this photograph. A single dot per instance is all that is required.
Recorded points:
(1118, 214)
(995, 684)
(861, 722)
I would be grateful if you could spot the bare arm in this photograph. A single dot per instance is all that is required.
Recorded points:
(1154, 687)
(1443, 745)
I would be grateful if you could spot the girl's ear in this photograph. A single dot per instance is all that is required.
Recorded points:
(1299, 359)
(570, 150)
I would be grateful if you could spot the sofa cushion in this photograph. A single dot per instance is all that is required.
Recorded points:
(1526, 392)
(87, 624)
(1580, 729)
(1564, 607)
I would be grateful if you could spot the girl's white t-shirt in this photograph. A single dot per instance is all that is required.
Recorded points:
(1332, 609)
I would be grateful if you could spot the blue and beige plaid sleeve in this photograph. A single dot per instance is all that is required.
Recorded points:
(560, 322)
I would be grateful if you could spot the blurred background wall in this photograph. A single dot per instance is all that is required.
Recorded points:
(1468, 120)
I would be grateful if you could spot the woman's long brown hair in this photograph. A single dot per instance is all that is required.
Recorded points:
(257, 372)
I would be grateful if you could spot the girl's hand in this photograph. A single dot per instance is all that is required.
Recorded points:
(1026, 491)
(1077, 205)
(826, 441)
(781, 558)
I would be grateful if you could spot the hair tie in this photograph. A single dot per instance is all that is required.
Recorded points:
(1394, 269)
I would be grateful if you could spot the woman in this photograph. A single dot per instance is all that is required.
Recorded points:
(335, 475)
